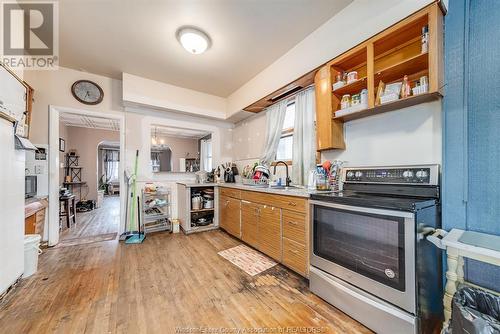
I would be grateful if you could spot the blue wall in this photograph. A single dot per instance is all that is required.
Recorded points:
(471, 162)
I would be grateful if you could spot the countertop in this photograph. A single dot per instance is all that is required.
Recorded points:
(33, 205)
(295, 192)
(196, 185)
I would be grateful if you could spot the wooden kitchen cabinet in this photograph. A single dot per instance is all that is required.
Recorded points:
(230, 215)
(270, 231)
(250, 223)
(276, 225)
(294, 226)
(295, 256)
(329, 132)
(383, 59)
(34, 216)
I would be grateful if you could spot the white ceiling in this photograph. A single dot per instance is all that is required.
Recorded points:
(157, 130)
(138, 37)
(82, 121)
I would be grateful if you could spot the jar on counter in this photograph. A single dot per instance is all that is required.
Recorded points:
(345, 102)
(322, 182)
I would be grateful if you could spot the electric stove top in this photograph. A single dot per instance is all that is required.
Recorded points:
(403, 188)
(378, 201)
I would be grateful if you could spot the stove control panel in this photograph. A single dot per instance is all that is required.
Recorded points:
(393, 175)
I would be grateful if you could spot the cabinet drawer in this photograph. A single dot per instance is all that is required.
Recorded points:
(280, 201)
(295, 256)
(294, 226)
(235, 193)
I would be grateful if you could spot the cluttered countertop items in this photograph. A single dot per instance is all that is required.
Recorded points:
(324, 177)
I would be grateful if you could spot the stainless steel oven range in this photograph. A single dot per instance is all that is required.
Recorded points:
(369, 255)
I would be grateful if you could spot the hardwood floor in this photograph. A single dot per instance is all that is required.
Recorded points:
(103, 220)
(170, 281)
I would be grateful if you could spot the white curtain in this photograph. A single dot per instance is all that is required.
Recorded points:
(304, 136)
(275, 115)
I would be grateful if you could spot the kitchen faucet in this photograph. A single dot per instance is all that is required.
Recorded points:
(287, 181)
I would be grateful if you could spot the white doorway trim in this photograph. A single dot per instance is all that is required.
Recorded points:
(54, 166)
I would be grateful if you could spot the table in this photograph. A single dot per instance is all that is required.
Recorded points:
(456, 252)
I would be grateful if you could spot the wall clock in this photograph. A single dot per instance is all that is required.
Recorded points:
(87, 92)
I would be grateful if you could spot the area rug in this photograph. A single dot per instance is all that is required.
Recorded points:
(86, 240)
(247, 259)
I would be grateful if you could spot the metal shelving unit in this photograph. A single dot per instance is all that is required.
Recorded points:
(156, 211)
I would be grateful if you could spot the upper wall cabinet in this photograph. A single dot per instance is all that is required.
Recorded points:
(397, 68)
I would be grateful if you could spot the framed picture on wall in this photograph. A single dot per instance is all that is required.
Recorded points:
(62, 145)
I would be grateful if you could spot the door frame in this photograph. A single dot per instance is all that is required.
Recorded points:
(54, 166)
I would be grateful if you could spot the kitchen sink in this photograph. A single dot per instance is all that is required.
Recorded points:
(284, 187)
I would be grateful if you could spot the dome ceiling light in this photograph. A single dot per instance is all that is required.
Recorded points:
(193, 40)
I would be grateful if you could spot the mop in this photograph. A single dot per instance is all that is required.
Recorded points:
(128, 180)
(135, 237)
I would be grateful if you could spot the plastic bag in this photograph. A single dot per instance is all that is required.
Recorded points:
(475, 311)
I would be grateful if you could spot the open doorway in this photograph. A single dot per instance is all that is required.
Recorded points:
(88, 178)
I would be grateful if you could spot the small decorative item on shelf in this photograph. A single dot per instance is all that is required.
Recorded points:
(364, 97)
(421, 87)
(338, 82)
(352, 76)
(380, 92)
(405, 88)
(391, 92)
(356, 100)
(345, 102)
(425, 39)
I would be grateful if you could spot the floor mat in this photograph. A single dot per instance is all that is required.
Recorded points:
(247, 259)
(86, 240)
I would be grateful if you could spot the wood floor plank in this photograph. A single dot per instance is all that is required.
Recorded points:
(170, 281)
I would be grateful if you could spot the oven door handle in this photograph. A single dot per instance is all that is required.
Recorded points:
(362, 209)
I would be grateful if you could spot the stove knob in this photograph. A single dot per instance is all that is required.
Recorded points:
(359, 174)
(350, 174)
(408, 174)
(421, 174)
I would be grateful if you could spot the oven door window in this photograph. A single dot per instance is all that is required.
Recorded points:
(369, 244)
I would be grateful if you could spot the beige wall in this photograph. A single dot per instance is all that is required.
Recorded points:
(138, 90)
(54, 88)
(181, 147)
(85, 141)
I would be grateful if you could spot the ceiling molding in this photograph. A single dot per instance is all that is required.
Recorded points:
(89, 122)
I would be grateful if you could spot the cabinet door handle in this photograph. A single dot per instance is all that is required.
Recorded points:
(292, 203)
(293, 251)
(227, 203)
(293, 223)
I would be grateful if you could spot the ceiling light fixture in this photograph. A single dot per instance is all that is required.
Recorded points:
(193, 40)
